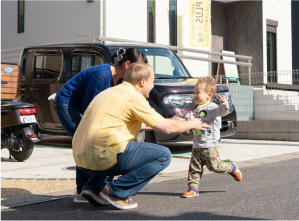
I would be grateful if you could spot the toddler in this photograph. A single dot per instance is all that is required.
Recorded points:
(205, 143)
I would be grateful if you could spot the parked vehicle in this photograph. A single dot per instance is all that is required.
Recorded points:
(17, 136)
(46, 68)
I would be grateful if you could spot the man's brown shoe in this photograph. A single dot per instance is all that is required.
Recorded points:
(116, 201)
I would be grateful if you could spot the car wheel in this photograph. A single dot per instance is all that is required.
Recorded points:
(150, 137)
(146, 136)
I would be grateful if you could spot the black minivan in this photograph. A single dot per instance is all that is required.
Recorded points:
(46, 68)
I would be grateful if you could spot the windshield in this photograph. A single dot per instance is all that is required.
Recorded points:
(164, 63)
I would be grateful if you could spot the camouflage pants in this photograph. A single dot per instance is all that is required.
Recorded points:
(210, 158)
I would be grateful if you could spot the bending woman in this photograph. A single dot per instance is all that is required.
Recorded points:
(74, 97)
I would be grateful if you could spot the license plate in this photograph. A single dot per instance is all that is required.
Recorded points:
(28, 119)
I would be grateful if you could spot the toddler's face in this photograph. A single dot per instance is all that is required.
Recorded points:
(200, 95)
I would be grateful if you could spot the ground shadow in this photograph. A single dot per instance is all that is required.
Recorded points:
(12, 192)
(174, 194)
(7, 159)
(52, 210)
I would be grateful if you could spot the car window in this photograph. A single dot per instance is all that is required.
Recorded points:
(164, 63)
(162, 66)
(82, 61)
(47, 66)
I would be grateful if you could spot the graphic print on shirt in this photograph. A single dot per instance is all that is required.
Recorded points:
(201, 133)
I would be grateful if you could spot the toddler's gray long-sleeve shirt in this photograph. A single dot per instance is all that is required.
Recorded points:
(210, 112)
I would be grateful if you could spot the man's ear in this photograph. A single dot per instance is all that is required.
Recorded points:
(142, 83)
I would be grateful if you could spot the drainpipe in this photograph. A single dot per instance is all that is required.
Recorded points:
(103, 18)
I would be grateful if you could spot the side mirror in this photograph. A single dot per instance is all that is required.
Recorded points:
(29, 66)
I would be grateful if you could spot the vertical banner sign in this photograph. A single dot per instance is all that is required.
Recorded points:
(200, 23)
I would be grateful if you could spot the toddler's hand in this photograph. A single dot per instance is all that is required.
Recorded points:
(222, 99)
(191, 115)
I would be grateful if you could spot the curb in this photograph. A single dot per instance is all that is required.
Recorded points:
(5, 178)
(161, 177)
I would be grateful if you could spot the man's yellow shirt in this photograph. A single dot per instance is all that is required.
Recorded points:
(112, 119)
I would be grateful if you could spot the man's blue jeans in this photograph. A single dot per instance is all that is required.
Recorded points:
(70, 118)
(139, 163)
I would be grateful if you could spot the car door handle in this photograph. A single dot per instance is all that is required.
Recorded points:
(34, 89)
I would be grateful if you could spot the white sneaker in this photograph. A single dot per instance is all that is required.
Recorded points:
(93, 198)
(79, 198)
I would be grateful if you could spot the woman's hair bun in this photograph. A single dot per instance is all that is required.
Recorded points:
(120, 54)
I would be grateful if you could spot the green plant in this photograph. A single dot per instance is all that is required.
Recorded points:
(178, 156)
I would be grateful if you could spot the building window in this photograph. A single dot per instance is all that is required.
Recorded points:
(151, 21)
(272, 50)
(173, 22)
(21, 13)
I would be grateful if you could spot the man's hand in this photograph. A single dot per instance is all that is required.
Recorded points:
(222, 99)
(191, 115)
(177, 116)
(199, 124)
(170, 126)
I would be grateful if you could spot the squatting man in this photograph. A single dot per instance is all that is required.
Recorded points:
(104, 143)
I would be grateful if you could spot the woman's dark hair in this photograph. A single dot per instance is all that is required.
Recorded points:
(144, 58)
(131, 54)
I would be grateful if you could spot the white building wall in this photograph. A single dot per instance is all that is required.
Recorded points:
(59, 21)
(48, 22)
(162, 22)
(126, 19)
(279, 10)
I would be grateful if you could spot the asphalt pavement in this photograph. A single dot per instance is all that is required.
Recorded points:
(270, 179)
(267, 191)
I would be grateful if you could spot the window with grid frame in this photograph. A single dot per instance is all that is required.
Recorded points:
(272, 50)
(173, 22)
(21, 13)
(151, 26)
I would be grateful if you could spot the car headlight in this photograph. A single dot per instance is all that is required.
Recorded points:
(227, 95)
(178, 100)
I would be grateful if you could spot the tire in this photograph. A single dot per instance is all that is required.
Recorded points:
(25, 149)
(150, 137)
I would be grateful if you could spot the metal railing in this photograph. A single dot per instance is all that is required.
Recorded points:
(290, 77)
(243, 57)
(12, 55)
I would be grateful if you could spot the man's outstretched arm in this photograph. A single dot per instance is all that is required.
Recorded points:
(170, 126)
